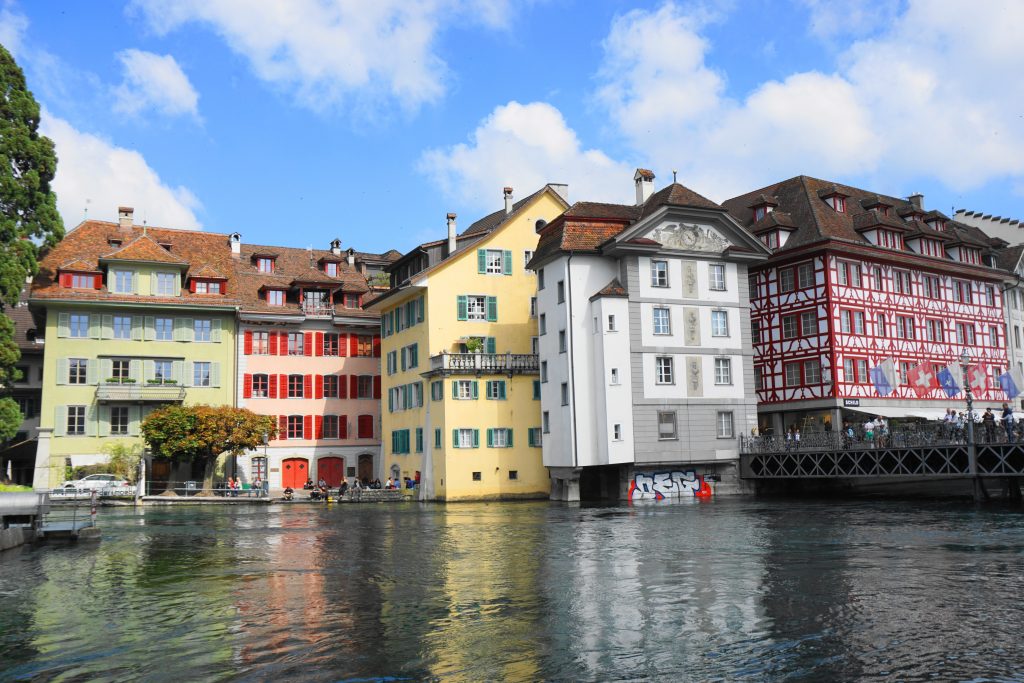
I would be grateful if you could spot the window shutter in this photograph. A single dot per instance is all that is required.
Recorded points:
(307, 427)
(272, 343)
(318, 423)
(308, 344)
(404, 354)
(282, 426)
(307, 386)
(90, 371)
(152, 284)
(91, 420)
(491, 345)
(376, 347)
(60, 421)
(455, 388)
(508, 262)
(318, 386)
(135, 370)
(247, 386)
(455, 438)
(215, 374)
(342, 386)
(376, 387)
(137, 327)
(272, 386)
(508, 437)
(529, 437)
(215, 330)
(476, 438)
(391, 401)
(62, 370)
(63, 324)
(247, 344)
(474, 387)
(149, 328)
(134, 420)
(343, 426)
(282, 386)
(462, 306)
(481, 260)
(65, 279)
(492, 309)
(353, 345)
(343, 345)
(149, 370)
(353, 391)
(501, 389)
(318, 346)
(103, 428)
(188, 371)
(94, 326)
(107, 369)
(419, 306)
(490, 438)
(179, 329)
(177, 284)
(189, 328)
(107, 330)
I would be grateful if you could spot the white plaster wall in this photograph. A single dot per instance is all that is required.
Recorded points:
(680, 389)
(613, 401)
(675, 279)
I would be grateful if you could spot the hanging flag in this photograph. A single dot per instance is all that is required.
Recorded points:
(883, 376)
(922, 379)
(977, 375)
(947, 380)
(1009, 385)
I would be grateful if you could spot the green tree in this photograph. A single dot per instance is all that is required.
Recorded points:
(123, 459)
(203, 433)
(28, 212)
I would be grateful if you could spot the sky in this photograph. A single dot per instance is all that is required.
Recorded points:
(295, 122)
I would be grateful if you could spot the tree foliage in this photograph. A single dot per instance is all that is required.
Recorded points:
(123, 459)
(28, 207)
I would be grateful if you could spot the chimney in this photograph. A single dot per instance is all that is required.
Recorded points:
(451, 233)
(235, 240)
(125, 218)
(644, 181)
(917, 199)
(508, 200)
(336, 246)
(561, 189)
(351, 258)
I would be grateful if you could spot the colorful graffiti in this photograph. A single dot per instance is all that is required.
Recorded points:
(662, 485)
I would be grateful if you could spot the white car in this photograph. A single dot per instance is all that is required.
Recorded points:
(96, 482)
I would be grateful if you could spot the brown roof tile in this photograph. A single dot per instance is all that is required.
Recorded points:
(613, 288)
(677, 195)
(143, 248)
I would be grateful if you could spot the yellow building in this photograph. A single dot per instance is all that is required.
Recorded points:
(461, 379)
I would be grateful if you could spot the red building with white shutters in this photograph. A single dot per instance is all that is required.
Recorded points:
(310, 356)
(857, 278)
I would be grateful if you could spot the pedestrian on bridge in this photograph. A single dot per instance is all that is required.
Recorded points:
(988, 420)
(1008, 420)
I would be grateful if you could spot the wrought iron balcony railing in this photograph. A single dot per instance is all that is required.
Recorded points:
(165, 393)
(485, 364)
(317, 309)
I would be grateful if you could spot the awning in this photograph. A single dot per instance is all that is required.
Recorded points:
(932, 414)
(900, 411)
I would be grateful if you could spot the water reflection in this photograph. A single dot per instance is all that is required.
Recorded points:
(703, 590)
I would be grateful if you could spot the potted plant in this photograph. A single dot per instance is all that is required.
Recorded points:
(474, 345)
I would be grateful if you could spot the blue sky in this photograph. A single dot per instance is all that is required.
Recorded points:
(297, 121)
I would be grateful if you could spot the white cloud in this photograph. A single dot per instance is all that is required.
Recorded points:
(332, 51)
(95, 174)
(524, 146)
(836, 18)
(154, 81)
(12, 31)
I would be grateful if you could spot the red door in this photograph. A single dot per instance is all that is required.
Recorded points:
(330, 470)
(294, 472)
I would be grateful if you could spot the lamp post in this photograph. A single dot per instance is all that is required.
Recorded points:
(266, 465)
(972, 453)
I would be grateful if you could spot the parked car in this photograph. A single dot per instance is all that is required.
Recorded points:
(95, 481)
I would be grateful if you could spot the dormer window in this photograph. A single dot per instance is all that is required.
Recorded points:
(883, 209)
(114, 242)
(265, 264)
(275, 297)
(761, 211)
(80, 280)
(970, 255)
(207, 286)
(938, 225)
(352, 300)
(890, 239)
(165, 245)
(837, 202)
(331, 269)
(771, 239)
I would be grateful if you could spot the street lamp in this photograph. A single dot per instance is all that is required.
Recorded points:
(266, 465)
(972, 454)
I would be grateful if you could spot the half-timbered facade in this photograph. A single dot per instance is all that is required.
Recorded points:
(855, 279)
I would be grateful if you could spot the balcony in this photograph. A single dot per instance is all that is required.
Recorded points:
(317, 309)
(484, 364)
(140, 393)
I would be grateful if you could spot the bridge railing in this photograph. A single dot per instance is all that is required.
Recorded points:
(936, 434)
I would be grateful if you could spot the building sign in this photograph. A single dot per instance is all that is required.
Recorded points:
(851, 403)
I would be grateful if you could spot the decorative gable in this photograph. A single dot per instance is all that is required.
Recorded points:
(689, 237)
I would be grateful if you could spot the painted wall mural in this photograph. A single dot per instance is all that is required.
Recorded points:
(662, 485)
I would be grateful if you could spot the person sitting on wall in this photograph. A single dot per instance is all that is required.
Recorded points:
(308, 486)
(288, 493)
(342, 487)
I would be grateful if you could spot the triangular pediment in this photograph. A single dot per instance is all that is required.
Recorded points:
(688, 237)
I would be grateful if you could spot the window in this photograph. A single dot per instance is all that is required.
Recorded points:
(419, 445)
(527, 257)
(965, 334)
(805, 275)
(1016, 336)
(719, 324)
(808, 323)
(961, 291)
(295, 386)
(905, 327)
(207, 287)
(202, 329)
(616, 432)
(164, 329)
(364, 388)
(120, 368)
(260, 386)
(79, 325)
(364, 345)
(545, 419)
(163, 370)
(852, 322)
(993, 336)
(165, 284)
(119, 420)
(437, 437)
(540, 279)
(466, 438)
(330, 423)
(465, 389)
(935, 331)
(543, 371)
(565, 393)
(513, 475)
(855, 370)
(662, 321)
(716, 274)
(533, 437)
(533, 307)
(990, 295)
(666, 424)
(792, 374)
(201, 374)
(771, 239)
(77, 370)
(350, 300)
(930, 285)
(876, 278)
(560, 288)
(611, 323)
(659, 273)
(275, 297)
(500, 437)
(542, 324)
(124, 281)
(494, 262)
(330, 268)
(331, 386)
(296, 343)
(437, 390)
(837, 202)
(812, 371)
(787, 280)
(76, 420)
(330, 344)
(723, 371)
(849, 273)
(724, 422)
(755, 331)
(789, 330)
(536, 390)
(265, 265)
(758, 377)
(476, 476)
(476, 307)
(561, 341)
(83, 281)
(881, 325)
(294, 427)
(614, 376)
(663, 369)
(903, 370)
(122, 327)
(901, 282)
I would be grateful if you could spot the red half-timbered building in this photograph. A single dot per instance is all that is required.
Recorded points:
(857, 278)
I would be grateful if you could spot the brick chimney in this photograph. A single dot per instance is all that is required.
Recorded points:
(125, 218)
(644, 181)
(451, 233)
(508, 200)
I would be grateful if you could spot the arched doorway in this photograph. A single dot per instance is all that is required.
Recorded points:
(366, 467)
(294, 472)
(331, 469)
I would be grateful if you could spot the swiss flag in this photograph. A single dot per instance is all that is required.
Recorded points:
(977, 375)
(922, 379)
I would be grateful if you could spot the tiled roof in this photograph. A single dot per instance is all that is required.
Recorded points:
(143, 248)
(613, 288)
(80, 265)
(1008, 258)
(763, 200)
(493, 220)
(23, 324)
(208, 271)
(772, 220)
(677, 195)
(876, 219)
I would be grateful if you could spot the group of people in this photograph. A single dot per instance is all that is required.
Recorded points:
(322, 490)
(234, 484)
(873, 430)
(1005, 423)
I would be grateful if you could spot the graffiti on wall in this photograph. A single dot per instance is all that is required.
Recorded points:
(662, 485)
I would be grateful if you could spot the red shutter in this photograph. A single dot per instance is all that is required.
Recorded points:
(307, 427)
(307, 386)
(97, 282)
(318, 350)
(343, 345)
(247, 386)
(65, 279)
(192, 286)
(342, 386)
(376, 346)
(319, 422)
(308, 350)
(273, 343)
(319, 386)
(284, 346)
(282, 386)
(282, 426)
(353, 390)
(366, 426)
(272, 386)
(376, 386)
(353, 345)
(343, 426)
(248, 342)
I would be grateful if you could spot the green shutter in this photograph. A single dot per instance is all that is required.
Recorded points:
(60, 421)
(473, 390)
(134, 420)
(420, 305)
(529, 437)
(492, 309)
(107, 369)
(152, 284)
(481, 260)
(181, 372)
(63, 324)
(462, 306)
(536, 389)
(94, 326)
(177, 284)
(391, 401)
(492, 345)
(501, 389)
(138, 330)
(62, 371)
(490, 438)
(215, 330)
(215, 374)
(476, 438)
(90, 371)
(508, 434)
(104, 425)
(149, 328)
(508, 262)
(437, 437)
(135, 370)
(107, 329)
(91, 420)
(455, 438)
(148, 371)
(415, 355)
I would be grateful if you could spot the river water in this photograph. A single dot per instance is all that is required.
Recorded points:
(727, 589)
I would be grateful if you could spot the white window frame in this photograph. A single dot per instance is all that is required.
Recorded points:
(724, 425)
(465, 390)
(120, 287)
(201, 376)
(122, 327)
(719, 323)
(664, 370)
(661, 317)
(723, 371)
(494, 261)
(716, 277)
(476, 307)
(659, 273)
